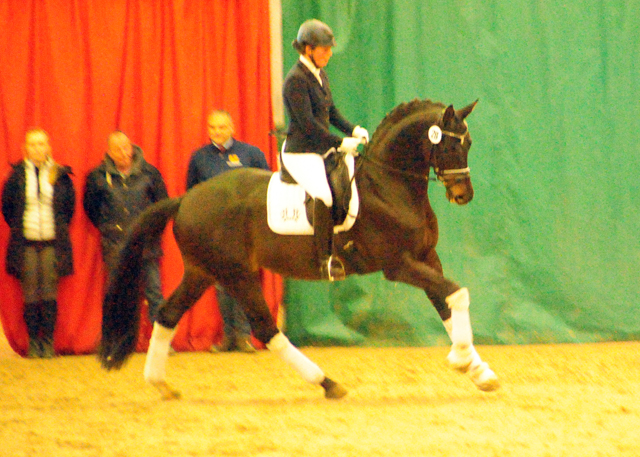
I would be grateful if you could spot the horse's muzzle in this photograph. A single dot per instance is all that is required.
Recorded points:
(459, 191)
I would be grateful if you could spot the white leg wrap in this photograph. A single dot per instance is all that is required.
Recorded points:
(461, 324)
(309, 371)
(460, 357)
(448, 326)
(467, 360)
(157, 354)
(463, 355)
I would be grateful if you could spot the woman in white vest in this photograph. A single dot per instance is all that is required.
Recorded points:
(38, 201)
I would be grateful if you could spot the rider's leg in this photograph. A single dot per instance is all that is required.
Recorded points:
(309, 171)
(331, 266)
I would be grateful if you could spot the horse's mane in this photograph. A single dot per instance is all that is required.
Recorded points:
(402, 111)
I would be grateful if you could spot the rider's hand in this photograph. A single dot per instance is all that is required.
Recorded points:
(349, 144)
(361, 132)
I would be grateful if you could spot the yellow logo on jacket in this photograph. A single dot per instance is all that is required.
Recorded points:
(233, 161)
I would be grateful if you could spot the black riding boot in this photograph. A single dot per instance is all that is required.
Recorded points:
(31, 315)
(49, 316)
(331, 266)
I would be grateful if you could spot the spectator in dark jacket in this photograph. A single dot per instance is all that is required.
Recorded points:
(38, 201)
(116, 192)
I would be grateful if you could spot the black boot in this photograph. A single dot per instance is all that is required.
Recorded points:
(31, 315)
(331, 266)
(243, 344)
(49, 316)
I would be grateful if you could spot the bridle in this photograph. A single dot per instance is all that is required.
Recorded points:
(452, 174)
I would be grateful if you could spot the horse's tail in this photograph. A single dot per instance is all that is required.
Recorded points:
(121, 306)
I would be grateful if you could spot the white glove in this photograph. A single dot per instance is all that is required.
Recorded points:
(360, 132)
(349, 145)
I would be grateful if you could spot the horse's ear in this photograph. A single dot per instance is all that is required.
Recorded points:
(464, 112)
(448, 115)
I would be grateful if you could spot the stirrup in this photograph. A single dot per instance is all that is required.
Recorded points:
(332, 269)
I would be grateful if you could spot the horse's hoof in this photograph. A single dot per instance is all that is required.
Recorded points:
(333, 390)
(166, 392)
(484, 378)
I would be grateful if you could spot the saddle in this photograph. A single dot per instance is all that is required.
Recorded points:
(290, 208)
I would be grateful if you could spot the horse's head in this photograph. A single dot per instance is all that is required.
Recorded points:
(420, 135)
(450, 143)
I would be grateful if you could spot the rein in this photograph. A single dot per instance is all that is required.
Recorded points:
(409, 174)
(458, 174)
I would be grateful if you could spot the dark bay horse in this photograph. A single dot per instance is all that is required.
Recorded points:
(221, 229)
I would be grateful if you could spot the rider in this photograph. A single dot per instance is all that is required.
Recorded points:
(309, 104)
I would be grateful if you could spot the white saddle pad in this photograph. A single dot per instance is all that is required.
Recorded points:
(286, 212)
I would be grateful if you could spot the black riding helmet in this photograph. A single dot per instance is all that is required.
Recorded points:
(313, 33)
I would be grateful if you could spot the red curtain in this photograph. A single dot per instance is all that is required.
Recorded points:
(153, 69)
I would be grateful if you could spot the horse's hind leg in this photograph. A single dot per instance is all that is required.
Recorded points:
(249, 295)
(188, 292)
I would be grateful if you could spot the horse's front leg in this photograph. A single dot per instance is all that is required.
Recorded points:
(462, 352)
(452, 304)
(188, 292)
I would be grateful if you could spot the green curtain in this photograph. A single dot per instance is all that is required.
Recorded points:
(549, 247)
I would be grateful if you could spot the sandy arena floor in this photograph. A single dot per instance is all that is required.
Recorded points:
(568, 400)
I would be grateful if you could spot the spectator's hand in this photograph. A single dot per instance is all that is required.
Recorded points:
(350, 145)
(360, 132)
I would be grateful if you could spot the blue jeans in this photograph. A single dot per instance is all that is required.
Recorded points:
(153, 286)
(235, 321)
(151, 272)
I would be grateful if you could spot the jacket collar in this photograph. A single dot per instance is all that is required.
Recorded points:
(312, 68)
(136, 163)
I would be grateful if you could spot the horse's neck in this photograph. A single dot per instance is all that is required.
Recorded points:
(392, 198)
(404, 144)
(396, 170)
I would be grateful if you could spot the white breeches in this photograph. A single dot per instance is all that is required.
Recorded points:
(307, 168)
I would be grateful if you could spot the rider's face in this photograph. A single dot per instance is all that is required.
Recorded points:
(320, 55)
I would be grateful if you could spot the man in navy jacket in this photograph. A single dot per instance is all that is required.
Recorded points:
(222, 154)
